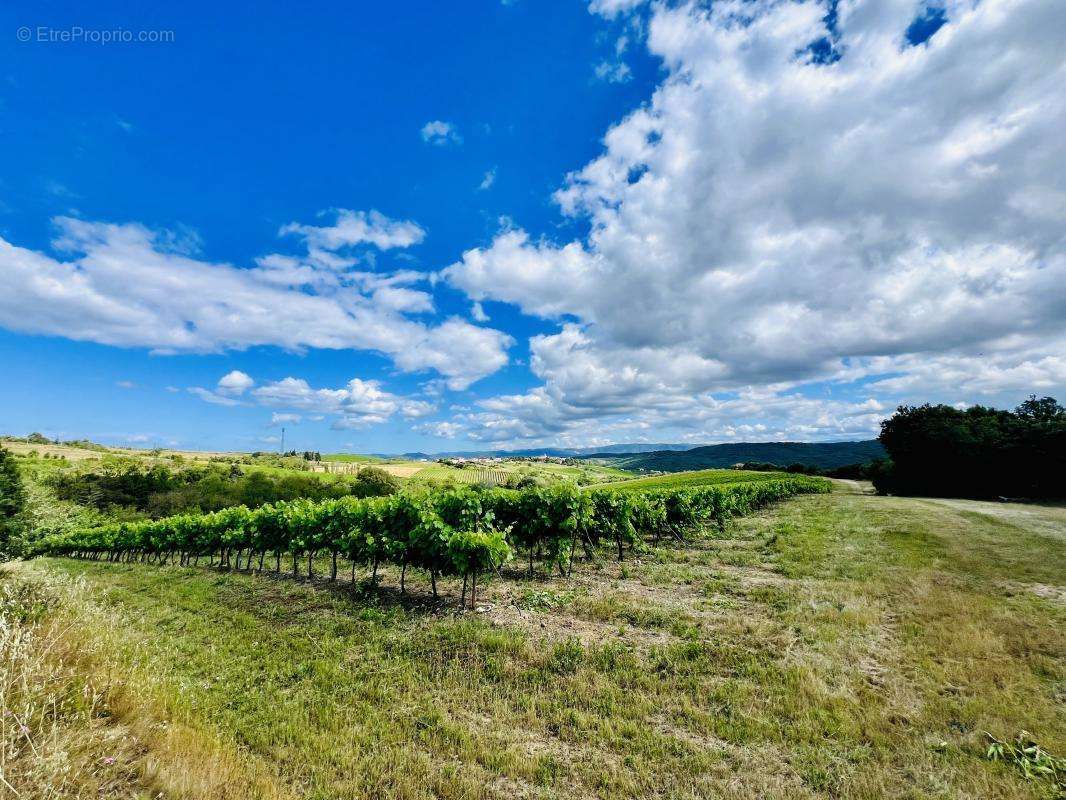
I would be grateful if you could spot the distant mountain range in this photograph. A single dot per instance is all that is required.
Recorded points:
(677, 457)
(557, 452)
(824, 455)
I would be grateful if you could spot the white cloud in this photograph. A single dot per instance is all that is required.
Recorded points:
(284, 419)
(126, 384)
(536, 418)
(488, 180)
(357, 405)
(443, 430)
(235, 383)
(213, 397)
(227, 391)
(353, 228)
(440, 133)
(126, 286)
(766, 220)
(613, 71)
(612, 8)
(478, 313)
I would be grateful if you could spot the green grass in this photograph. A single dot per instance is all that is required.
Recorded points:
(542, 472)
(703, 477)
(353, 458)
(843, 645)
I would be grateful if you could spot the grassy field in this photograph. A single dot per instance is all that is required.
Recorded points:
(839, 645)
(703, 477)
(418, 472)
(352, 458)
(544, 472)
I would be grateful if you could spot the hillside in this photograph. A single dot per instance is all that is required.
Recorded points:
(555, 452)
(824, 455)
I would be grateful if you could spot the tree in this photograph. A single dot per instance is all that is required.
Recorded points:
(374, 482)
(975, 452)
(12, 502)
(1044, 410)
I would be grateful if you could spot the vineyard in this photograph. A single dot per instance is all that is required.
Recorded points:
(461, 532)
(483, 477)
(705, 477)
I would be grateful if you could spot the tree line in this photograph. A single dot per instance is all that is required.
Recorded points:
(979, 452)
(156, 490)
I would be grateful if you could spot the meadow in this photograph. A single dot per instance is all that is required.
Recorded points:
(837, 645)
(841, 645)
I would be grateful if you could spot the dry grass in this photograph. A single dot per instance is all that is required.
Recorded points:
(53, 451)
(75, 727)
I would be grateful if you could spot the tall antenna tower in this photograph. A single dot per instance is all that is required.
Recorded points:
(283, 441)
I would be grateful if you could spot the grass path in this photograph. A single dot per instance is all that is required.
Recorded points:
(840, 645)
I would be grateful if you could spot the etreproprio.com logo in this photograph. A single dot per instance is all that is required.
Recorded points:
(76, 34)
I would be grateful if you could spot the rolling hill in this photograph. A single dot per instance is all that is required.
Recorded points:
(556, 452)
(824, 455)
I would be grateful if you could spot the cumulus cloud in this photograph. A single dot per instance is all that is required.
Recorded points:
(488, 180)
(228, 389)
(235, 383)
(772, 217)
(442, 430)
(126, 285)
(756, 414)
(359, 404)
(440, 133)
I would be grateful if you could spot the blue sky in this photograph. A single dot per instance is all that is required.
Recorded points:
(511, 224)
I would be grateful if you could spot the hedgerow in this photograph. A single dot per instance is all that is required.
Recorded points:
(465, 531)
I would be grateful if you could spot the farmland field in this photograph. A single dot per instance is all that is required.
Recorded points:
(496, 473)
(703, 477)
(841, 645)
(352, 458)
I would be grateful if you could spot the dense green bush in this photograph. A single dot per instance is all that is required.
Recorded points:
(159, 491)
(12, 501)
(462, 531)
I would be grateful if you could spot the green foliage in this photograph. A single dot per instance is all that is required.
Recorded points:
(681, 480)
(1034, 762)
(823, 455)
(975, 452)
(12, 501)
(463, 531)
(374, 482)
(159, 491)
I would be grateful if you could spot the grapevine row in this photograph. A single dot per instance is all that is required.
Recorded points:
(464, 531)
